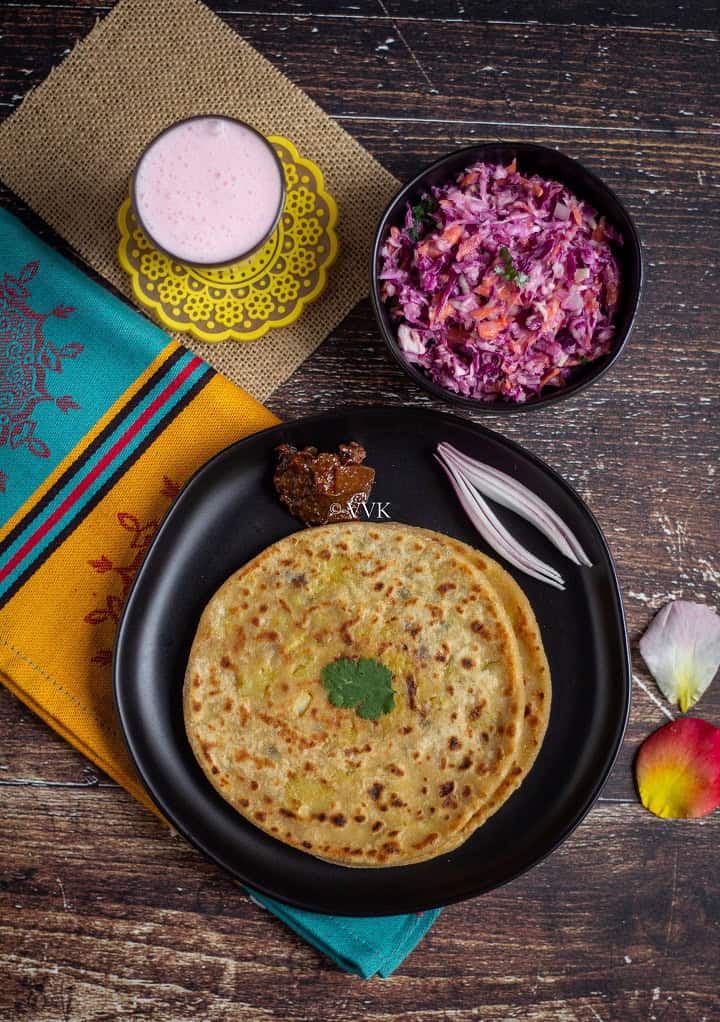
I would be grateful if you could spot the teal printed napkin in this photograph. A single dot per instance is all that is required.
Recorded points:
(102, 419)
(367, 946)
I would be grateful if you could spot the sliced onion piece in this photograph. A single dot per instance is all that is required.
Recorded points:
(494, 532)
(518, 498)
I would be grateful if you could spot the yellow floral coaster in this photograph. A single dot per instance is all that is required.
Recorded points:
(243, 301)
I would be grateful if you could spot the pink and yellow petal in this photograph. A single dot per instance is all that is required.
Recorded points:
(678, 769)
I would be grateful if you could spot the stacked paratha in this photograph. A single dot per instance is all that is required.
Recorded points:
(470, 679)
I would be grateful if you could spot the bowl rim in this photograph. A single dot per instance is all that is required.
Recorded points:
(173, 255)
(635, 253)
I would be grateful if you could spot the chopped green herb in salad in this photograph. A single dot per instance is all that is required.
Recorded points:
(508, 271)
(421, 217)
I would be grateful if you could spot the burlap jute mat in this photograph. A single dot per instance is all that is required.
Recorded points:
(70, 148)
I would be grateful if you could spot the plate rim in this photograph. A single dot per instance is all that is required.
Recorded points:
(422, 903)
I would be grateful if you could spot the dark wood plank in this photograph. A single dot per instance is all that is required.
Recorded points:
(114, 935)
(666, 14)
(662, 15)
(527, 74)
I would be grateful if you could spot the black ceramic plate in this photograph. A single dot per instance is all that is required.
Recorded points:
(227, 514)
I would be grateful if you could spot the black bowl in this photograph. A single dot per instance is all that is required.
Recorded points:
(531, 159)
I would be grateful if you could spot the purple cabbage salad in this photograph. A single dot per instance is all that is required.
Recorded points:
(500, 284)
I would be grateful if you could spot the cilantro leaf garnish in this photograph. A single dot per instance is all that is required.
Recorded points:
(508, 271)
(421, 216)
(421, 210)
(363, 684)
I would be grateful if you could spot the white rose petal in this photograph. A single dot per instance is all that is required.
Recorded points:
(682, 650)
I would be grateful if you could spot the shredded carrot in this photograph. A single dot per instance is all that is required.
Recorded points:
(429, 248)
(549, 376)
(468, 245)
(484, 288)
(452, 234)
(491, 328)
(485, 311)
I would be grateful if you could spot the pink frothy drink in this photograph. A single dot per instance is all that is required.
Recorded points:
(208, 190)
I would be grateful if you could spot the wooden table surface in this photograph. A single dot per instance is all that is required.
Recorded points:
(103, 915)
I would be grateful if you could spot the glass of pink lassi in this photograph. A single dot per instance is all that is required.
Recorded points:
(208, 190)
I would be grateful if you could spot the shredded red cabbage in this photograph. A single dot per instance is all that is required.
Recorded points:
(501, 284)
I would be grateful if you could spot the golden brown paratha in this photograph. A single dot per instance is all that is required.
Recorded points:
(536, 679)
(417, 781)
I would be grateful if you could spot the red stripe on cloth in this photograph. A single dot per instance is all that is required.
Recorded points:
(104, 462)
